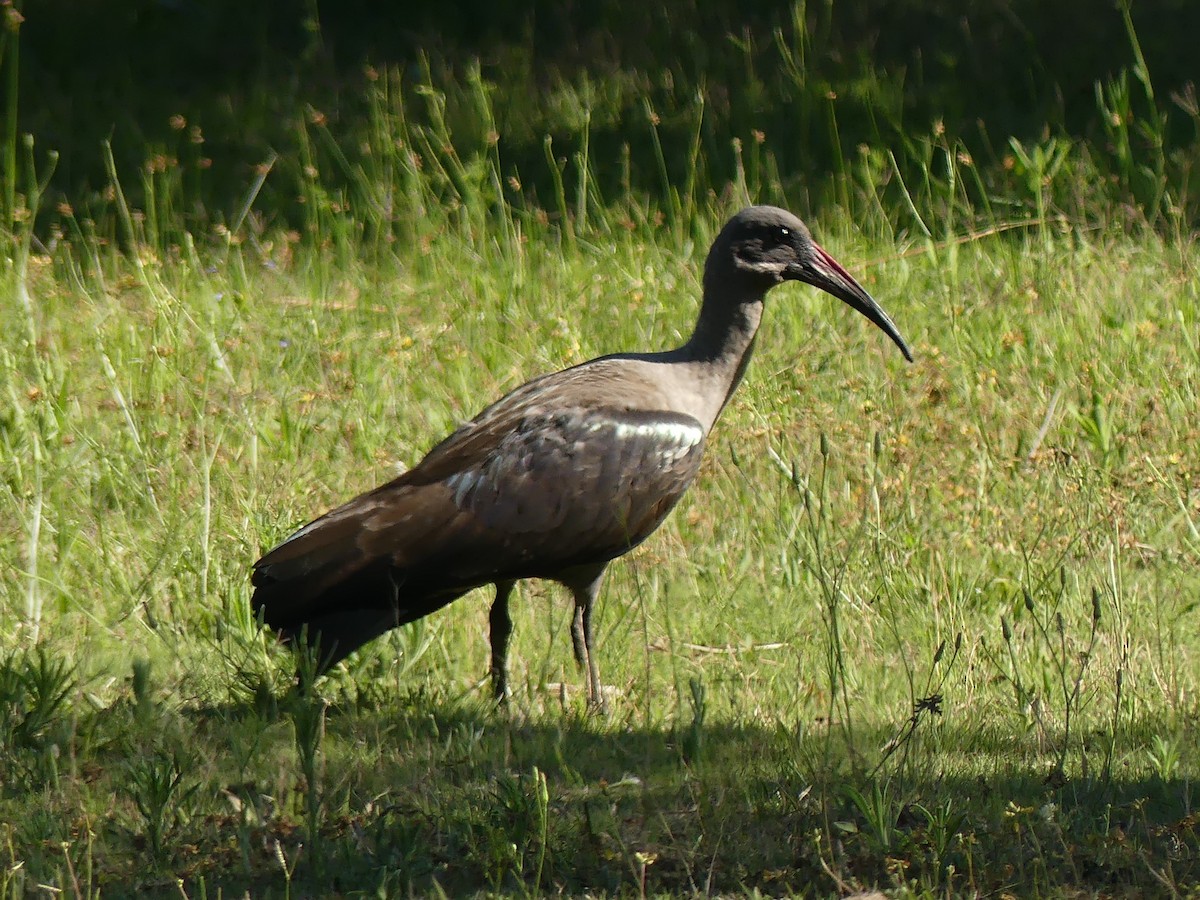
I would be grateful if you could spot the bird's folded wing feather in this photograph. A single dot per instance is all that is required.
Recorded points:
(508, 495)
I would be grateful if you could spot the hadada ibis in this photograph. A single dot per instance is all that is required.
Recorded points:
(554, 480)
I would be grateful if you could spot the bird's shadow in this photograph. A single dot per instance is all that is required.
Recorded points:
(435, 767)
(571, 742)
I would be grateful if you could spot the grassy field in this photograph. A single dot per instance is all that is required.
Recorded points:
(927, 628)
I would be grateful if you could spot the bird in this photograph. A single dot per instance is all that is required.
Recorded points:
(552, 481)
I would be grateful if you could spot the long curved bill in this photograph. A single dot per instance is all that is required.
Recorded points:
(826, 273)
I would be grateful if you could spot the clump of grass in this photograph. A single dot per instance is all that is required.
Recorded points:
(1069, 657)
(157, 785)
(35, 687)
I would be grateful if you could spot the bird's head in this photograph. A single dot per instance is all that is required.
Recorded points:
(763, 246)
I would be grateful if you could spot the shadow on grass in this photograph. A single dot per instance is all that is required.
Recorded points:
(426, 794)
(429, 795)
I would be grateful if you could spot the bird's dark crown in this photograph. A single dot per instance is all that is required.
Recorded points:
(759, 247)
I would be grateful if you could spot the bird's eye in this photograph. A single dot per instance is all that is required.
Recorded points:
(782, 233)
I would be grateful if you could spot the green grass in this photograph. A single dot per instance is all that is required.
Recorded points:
(928, 628)
(924, 627)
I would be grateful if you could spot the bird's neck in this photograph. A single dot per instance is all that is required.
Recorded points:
(720, 347)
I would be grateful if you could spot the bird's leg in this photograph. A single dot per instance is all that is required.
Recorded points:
(581, 623)
(585, 587)
(501, 624)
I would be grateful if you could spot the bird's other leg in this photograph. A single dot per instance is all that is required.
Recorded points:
(501, 624)
(585, 585)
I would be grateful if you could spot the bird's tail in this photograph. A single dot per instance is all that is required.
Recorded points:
(333, 621)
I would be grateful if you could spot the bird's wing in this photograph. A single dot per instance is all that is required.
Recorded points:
(578, 481)
(512, 494)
